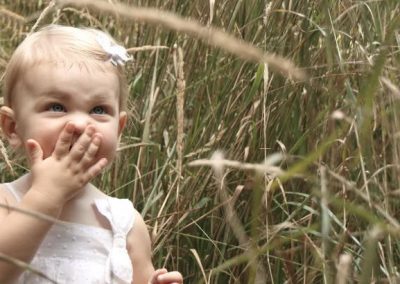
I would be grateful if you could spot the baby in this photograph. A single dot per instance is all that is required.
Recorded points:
(64, 107)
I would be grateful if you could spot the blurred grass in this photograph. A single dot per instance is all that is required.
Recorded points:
(338, 131)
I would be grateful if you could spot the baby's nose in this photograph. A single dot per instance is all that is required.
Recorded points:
(80, 122)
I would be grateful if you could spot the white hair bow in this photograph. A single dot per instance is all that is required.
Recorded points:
(117, 53)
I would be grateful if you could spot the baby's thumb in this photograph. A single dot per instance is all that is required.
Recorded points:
(153, 279)
(35, 152)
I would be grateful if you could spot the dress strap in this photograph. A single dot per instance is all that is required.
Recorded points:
(11, 189)
(120, 214)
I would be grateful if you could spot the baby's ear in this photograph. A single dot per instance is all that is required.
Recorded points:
(7, 122)
(122, 122)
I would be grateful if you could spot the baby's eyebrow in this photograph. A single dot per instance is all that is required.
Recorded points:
(55, 93)
(102, 97)
(63, 95)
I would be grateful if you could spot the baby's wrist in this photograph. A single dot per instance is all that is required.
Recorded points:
(43, 203)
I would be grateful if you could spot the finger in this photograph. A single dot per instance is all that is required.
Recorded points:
(35, 152)
(96, 169)
(82, 144)
(156, 273)
(170, 277)
(64, 141)
(90, 154)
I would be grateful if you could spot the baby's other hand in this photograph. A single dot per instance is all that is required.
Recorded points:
(163, 276)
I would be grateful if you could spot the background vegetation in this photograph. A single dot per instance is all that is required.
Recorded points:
(324, 206)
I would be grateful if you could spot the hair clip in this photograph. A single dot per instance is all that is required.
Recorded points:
(118, 54)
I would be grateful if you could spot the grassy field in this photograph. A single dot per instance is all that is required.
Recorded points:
(263, 138)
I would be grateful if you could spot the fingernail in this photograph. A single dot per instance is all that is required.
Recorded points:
(90, 130)
(70, 127)
(96, 140)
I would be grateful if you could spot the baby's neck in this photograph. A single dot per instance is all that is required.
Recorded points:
(80, 209)
(24, 183)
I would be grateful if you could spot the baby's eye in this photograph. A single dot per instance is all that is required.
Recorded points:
(56, 108)
(98, 110)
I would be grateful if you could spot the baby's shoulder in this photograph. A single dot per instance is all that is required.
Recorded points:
(15, 190)
(7, 200)
(3, 189)
(139, 231)
(7, 194)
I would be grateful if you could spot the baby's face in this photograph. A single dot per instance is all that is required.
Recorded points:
(47, 97)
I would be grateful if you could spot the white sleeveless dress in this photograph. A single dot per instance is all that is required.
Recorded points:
(77, 253)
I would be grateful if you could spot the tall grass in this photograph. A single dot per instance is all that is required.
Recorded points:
(325, 209)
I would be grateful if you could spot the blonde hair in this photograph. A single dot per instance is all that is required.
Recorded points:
(61, 45)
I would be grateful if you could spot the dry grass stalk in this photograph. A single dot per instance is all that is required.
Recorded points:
(267, 12)
(370, 259)
(180, 100)
(265, 167)
(43, 15)
(344, 269)
(11, 15)
(231, 217)
(362, 163)
(3, 149)
(233, 220)
(325, 226)
(358, 191)
(266, 85)
(3, 152)
(210, 36)
(198, 260)
(394, 90)
(152, 101)
(145, 48)
(21, 264)
(24, 266)
(210, 19)
(32, 214)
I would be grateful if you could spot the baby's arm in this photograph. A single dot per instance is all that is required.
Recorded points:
(55, 180)
(139, 248)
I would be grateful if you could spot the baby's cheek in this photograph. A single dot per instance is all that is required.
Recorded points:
(47, 152)
(47, 145)
(107, 150)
